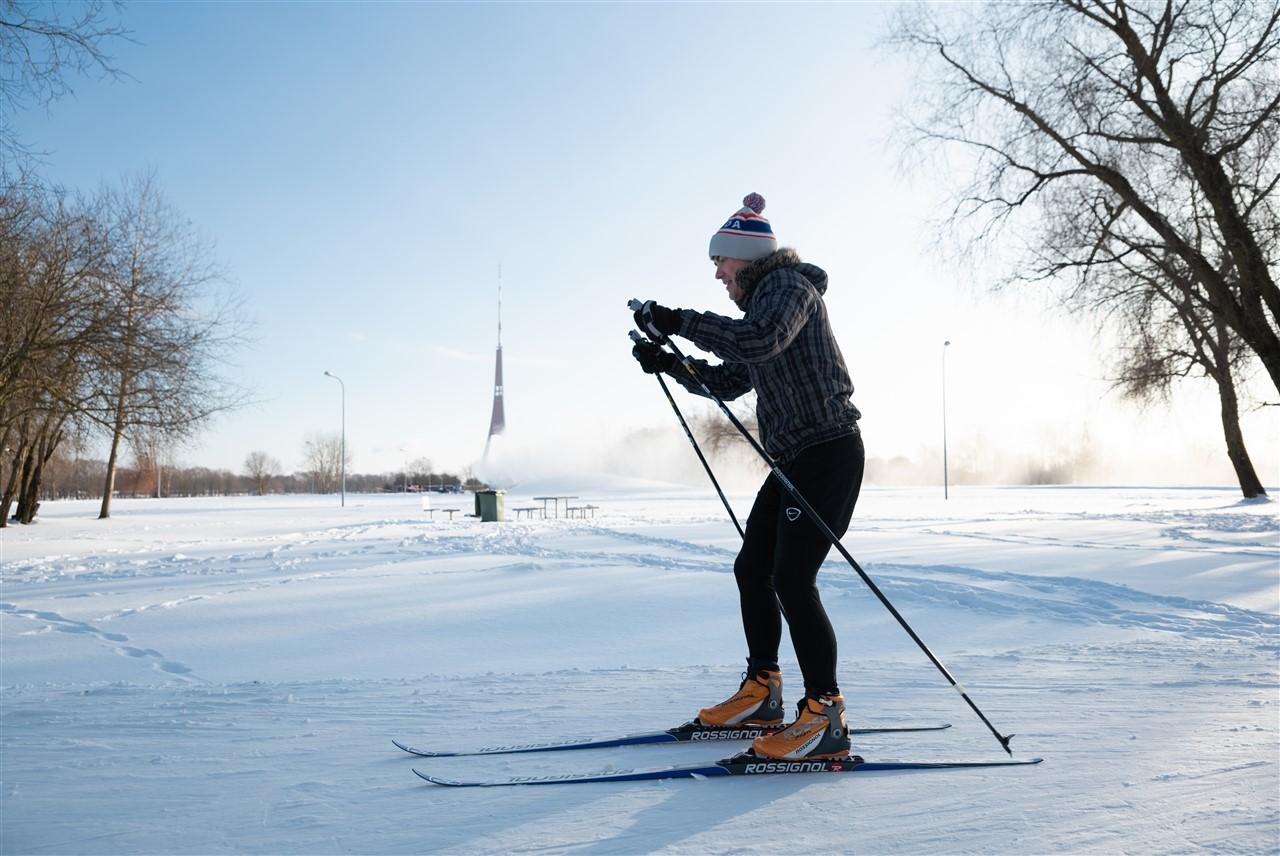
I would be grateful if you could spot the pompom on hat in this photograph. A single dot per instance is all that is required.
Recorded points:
(746, 235)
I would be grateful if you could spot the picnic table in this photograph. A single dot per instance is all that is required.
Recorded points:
(529, 509)
(553, 499)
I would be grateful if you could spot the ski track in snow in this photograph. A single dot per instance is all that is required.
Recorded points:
(1186, 541)
(1164, 741)
(117, 642)
(1058, 598)
(1067, 599)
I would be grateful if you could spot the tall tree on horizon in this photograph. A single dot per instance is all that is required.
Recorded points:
(1088, 130)
(170, 331)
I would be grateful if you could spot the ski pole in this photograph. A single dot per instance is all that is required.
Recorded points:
(637, 338)
(808, 509)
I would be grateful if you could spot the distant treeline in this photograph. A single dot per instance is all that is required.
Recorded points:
(82, 478)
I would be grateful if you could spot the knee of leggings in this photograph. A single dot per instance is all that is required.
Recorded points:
(794, 592)
(750, 573)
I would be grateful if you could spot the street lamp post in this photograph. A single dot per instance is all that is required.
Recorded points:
(343, 450)
(945, 485)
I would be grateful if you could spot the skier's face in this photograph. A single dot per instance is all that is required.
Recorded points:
(727, 272)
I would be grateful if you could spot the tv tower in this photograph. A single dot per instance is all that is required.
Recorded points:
(497, 421)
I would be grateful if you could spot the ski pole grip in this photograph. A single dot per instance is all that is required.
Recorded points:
(645, 320)
(636, 337)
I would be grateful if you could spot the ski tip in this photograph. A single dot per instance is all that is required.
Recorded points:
(421, 753)
(407, 748)
(448, 783)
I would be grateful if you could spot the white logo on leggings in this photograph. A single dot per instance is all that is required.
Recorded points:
(793, 514)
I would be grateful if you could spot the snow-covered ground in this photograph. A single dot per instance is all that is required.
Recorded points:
(227, 674)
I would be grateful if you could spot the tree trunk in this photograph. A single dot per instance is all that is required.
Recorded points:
(117, 433)
(29, 502)
(12, 487)
(28, 487)
(11, 475)
(110, 483)
(1250, 485)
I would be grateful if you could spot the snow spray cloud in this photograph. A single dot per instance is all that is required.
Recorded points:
(600, 457)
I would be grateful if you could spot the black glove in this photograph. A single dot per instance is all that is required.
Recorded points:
(652, 358)
(657, 320)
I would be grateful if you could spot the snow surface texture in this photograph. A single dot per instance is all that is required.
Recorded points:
(226, 675)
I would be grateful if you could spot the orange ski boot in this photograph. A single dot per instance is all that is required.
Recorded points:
(818, 732)
(757, 702)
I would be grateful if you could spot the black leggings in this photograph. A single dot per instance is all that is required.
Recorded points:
(777, 569)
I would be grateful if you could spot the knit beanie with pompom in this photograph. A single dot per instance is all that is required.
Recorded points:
(746, 235)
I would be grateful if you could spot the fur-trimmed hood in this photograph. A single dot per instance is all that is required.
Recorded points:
(751, 275)
(784, 349)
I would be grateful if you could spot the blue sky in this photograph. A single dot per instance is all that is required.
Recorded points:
(363, 169)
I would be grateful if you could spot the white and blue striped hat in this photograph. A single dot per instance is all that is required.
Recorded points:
(746, 235)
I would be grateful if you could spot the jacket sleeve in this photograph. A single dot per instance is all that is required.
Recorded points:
(727, 380)
(779, 309)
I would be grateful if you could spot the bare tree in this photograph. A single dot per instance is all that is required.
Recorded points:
(259, 467)
(323, 456)
(170, 328)
(1167, 335)
(50, 255)
(155, 457)
(41, 46)
(1092, 130)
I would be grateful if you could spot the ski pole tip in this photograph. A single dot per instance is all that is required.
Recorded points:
(1004, 741)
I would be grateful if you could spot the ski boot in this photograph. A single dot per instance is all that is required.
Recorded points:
(757, 702)
(818, 732)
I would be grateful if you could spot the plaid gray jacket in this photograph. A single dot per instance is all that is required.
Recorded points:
(784, 349)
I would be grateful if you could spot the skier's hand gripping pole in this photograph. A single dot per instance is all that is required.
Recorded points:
(638, 307)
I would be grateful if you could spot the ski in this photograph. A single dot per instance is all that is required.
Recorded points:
(742, 764)
(689, 732)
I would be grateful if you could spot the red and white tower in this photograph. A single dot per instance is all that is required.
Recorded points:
(498, 420)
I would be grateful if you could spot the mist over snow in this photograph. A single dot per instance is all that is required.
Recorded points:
(226, 674)
(660, 456)
(662, 453)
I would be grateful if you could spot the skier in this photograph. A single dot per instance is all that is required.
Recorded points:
(784, 349)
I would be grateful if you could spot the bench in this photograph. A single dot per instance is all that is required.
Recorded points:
(529, 509)
(450, 512)
(581, 510)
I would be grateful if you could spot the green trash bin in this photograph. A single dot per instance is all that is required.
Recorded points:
(489, 505)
